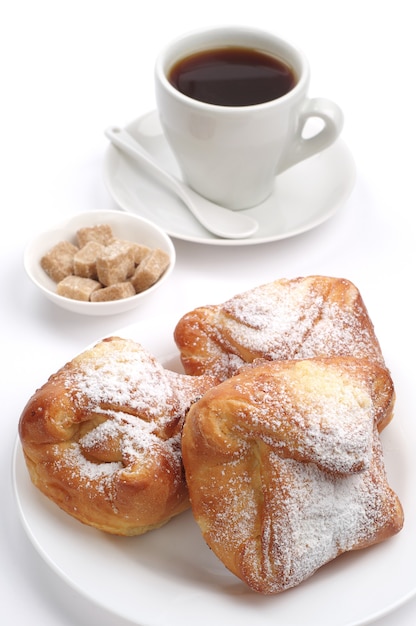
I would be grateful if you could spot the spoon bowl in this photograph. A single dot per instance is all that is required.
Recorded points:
(217, 219)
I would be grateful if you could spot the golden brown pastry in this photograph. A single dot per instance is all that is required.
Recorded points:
(285, 467)
(299, 318)
(102, 437)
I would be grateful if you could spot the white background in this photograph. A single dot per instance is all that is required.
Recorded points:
(70, 69)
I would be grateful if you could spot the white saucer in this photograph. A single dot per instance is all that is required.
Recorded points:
(304, 197)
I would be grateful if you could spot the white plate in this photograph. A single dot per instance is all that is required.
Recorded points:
(303, 197)
(169, 577)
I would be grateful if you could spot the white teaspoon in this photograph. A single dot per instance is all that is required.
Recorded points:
(215, 218)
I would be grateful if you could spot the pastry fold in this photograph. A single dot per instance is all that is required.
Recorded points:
(102, 437)
(285, 467)
(299, 318)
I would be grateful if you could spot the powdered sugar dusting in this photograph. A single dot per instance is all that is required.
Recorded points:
(285, 319)
(306, 517)
(87, 471)
(286, 467)
(320, 517)
(128, 379)
(294, 321)
(312, 410)
(129, 410)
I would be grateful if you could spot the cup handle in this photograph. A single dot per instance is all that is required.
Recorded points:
(304, 147)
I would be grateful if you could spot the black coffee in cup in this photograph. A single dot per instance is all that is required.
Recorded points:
(232, 76)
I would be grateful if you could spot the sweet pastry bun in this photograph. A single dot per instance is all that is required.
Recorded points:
(296, 318)
(102, 437)
(285, 467)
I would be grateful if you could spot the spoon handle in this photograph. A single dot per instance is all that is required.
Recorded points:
(217, 219)
(123, 140)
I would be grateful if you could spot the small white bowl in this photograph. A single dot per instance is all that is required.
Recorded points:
(125, 226)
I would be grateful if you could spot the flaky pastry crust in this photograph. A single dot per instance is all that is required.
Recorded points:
(299, 318)
(102, 437)
(285, 467)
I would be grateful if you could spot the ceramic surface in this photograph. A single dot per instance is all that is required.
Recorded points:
(304, 197)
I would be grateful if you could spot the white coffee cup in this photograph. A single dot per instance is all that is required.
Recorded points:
(232, 154)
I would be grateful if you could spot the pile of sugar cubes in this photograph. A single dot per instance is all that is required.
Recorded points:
(102, 267)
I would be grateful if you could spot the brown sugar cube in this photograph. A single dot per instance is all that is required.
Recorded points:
(85, 260)
(118, 291)
(140, 251)
(77, 287)
(58, 262)
(102, 233)
(115, 264)
(150, 270)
